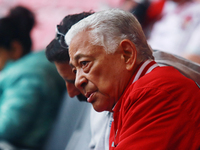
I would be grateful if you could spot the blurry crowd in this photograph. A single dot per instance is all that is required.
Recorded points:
(171, 26)
(28, 107)
(32, 93)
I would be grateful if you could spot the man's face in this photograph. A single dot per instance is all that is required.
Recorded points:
(65, 72)
(99, 76)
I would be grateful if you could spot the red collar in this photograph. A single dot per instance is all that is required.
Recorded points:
(143, 69)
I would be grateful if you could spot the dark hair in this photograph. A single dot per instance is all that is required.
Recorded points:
(16, 26)
(140, 12)
(54, 50)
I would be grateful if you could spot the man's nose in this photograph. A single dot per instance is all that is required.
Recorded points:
(81, 80)
(72, 90)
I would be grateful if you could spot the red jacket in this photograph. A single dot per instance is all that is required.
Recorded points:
(160, 111)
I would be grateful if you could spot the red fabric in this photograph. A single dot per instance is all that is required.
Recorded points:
(155, 9)
(160, 111)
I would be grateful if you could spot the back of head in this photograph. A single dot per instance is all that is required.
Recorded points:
(56, 51)
(108, 28)
(16, 26)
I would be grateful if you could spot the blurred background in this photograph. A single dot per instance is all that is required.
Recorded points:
(49, 13)
(170, 25)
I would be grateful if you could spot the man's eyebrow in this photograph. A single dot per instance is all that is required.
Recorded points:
(71, 65)
(76, 58)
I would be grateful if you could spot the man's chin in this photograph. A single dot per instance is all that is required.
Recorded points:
(82, 98)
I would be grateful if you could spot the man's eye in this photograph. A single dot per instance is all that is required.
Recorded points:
(84, 63)
(74, 71)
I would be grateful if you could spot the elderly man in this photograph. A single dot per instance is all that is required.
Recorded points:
(154, 107)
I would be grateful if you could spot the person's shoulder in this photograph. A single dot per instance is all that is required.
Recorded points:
(35, 63)
(161, 83)
(167, 79)
(34, 58)
(159, 74)
(32, 65)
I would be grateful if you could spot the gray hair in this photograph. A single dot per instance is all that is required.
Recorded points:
(109, 27)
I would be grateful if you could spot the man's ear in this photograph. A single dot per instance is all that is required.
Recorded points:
(129, 53)
(17, 50)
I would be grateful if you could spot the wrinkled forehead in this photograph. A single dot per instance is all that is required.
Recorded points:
(78, 46)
